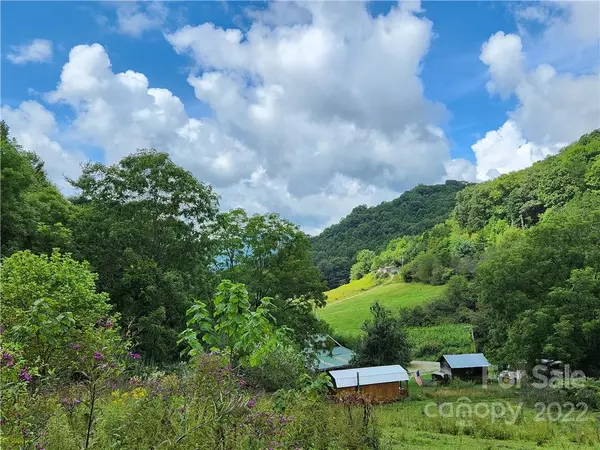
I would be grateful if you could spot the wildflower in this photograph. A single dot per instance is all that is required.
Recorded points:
(98, 356)
(8, 359)
(25, 375)
(75, 346)
(134, 380)
(139, 393)
(243, 383)
(251, 403)
(108, 324)
(182, 410)
(133, 355)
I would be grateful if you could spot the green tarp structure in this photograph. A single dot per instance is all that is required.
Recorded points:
(339, 357)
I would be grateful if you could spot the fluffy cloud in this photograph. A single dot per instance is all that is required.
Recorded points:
(36, 51)
(135, 18)
(554, 108)
(120, 112)
(302, 124)
(316, 108)
(35, 129)
(307, 98)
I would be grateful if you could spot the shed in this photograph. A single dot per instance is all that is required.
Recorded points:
(383, 383)
(468, 367)
(338, 358)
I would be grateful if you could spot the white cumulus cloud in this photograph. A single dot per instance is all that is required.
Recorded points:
(553, 107)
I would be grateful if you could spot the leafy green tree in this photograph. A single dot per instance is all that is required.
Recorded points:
(537, 288)
(385, 341)
(268, 254)
(271, 256)
(232, 325)
(362, 266)
(50, 304)
(144, 225)
(35, 215)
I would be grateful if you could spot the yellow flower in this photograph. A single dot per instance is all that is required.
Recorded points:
(139, 393)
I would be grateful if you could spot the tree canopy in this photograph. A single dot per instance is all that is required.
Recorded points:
(334, 250)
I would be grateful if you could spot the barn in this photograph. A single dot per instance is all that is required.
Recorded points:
(382, 383)
(467, 367)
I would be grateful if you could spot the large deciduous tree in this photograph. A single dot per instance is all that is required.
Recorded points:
(144, 225)
(35, 215)
(271, 256)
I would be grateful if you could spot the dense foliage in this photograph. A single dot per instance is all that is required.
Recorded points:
(153, 234)
(335, 249)
(34, 213)
(520, 258)
(385, 340)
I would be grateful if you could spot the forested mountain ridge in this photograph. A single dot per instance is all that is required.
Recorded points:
(412, 213)
(520, 257)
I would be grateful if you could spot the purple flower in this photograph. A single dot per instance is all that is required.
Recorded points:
(25, 375)
(251, 403)
(75, 346)
(108, 324)
(8, 359)
(134, 355)
(182, 410)
(98, 356)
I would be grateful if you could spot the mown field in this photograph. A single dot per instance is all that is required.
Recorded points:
(350, 289)
(348, 307)
(513, 425)
(349, 310)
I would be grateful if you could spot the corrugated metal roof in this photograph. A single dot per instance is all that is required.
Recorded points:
(467, 360)
(339, 357)
(368, 375)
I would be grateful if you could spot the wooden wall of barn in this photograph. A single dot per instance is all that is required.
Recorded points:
(381, 392)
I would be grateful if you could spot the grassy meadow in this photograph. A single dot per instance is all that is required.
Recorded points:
(406, 425)
(351, 289)
(349, 305)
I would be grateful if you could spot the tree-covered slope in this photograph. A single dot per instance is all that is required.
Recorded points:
(371, 228)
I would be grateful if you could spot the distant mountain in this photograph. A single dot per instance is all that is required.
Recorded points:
(412, 213)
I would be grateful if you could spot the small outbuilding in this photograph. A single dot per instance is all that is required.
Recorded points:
(382, 383)
(466, 367)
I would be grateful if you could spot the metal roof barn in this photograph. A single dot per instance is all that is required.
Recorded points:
(368, 375)
(466, 361)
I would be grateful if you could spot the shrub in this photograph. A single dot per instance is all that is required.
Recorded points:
(50, 303)
(280, 369)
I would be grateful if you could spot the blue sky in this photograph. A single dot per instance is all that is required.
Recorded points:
(472, 119)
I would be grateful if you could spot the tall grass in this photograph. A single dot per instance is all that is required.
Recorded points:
(429, 343)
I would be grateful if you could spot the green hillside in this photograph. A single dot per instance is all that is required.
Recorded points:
(347, 313)
(412, 213)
